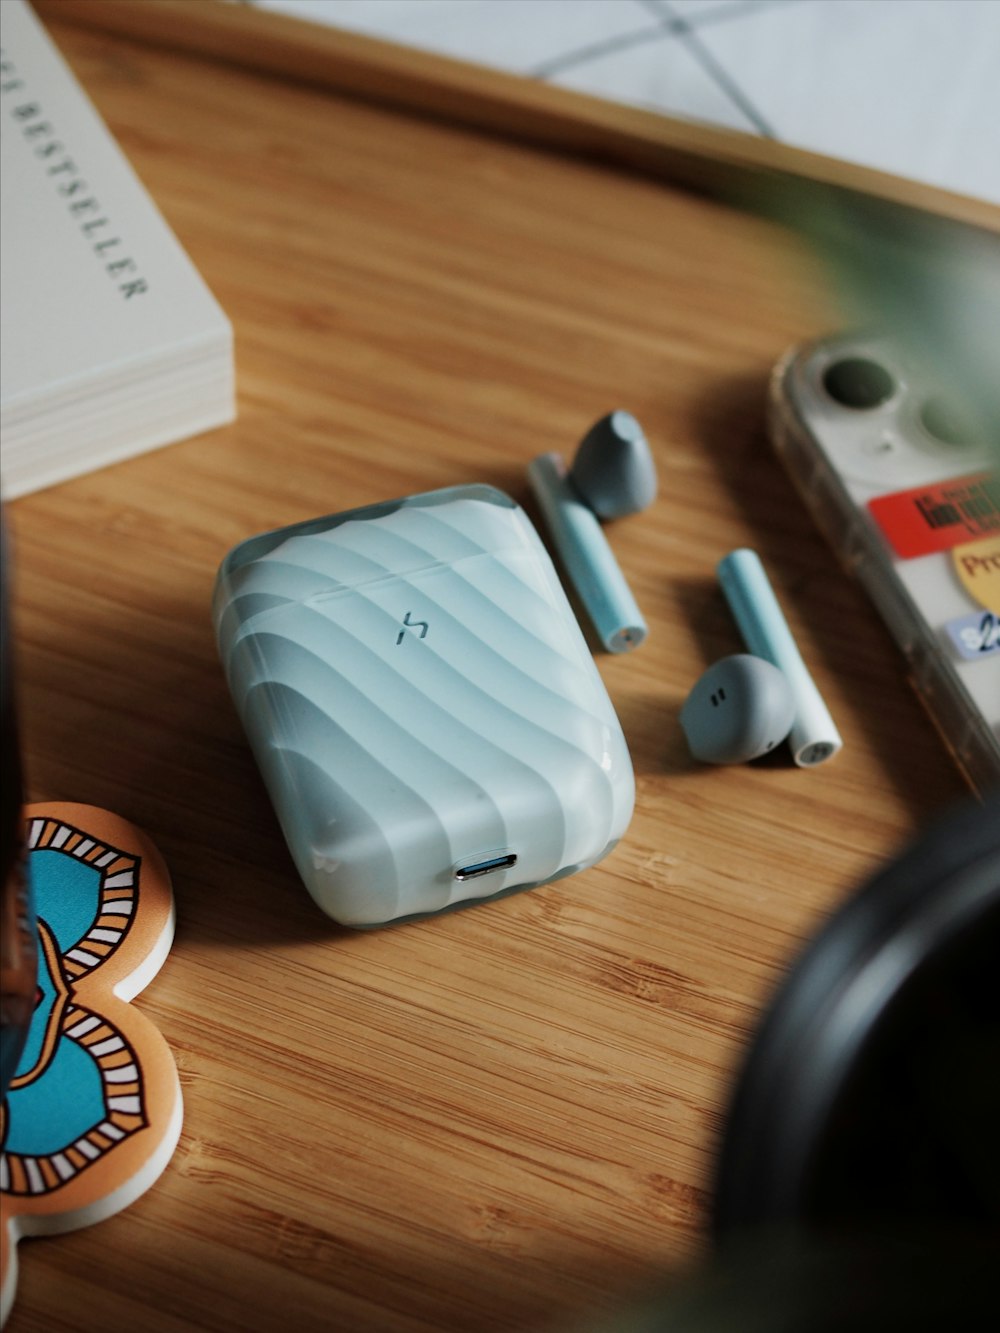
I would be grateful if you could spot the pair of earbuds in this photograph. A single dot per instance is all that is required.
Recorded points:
(743, 706)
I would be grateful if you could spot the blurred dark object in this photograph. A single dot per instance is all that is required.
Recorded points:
(17, 926)
(871, 1095)
(869, 1283)
(858, 1179)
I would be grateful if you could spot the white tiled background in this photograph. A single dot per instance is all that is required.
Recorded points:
(907, 86)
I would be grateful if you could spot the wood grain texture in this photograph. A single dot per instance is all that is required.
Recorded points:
(507, 1116)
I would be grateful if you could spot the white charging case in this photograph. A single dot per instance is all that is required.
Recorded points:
(422, 704)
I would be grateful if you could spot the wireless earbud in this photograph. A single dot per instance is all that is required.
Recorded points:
(613, 469)
(612, 475)
(740, 709)
(747, 704)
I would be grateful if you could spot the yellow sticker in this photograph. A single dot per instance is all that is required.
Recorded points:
(978, 566)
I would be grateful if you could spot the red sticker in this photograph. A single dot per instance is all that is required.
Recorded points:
(938, 517)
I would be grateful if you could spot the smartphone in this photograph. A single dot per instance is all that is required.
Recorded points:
(905, 485)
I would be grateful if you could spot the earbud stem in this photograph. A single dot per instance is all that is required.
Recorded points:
(814, 738)
(587, 557)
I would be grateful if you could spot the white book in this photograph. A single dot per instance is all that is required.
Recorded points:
(110, 341)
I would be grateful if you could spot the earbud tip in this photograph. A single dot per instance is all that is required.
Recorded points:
(613, 469)
(740, 709)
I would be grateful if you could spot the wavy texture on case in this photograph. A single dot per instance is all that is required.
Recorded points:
(420, 699)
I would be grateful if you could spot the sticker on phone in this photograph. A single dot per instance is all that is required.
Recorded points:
(976, 635)
(941, 516)
(977, 564)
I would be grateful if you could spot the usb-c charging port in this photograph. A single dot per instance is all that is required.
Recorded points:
(486, 867)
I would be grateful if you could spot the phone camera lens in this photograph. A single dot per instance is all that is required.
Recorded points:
(947, 423)
(859, 383)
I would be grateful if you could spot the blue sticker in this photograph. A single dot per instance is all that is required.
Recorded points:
(975, 635)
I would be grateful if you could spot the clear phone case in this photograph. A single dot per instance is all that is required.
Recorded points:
(907, 492)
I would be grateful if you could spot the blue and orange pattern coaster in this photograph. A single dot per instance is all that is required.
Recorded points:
(94, 1112)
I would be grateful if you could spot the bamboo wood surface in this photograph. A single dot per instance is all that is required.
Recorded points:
(505, 1117)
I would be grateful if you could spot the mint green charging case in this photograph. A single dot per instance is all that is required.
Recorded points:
(421, 702)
